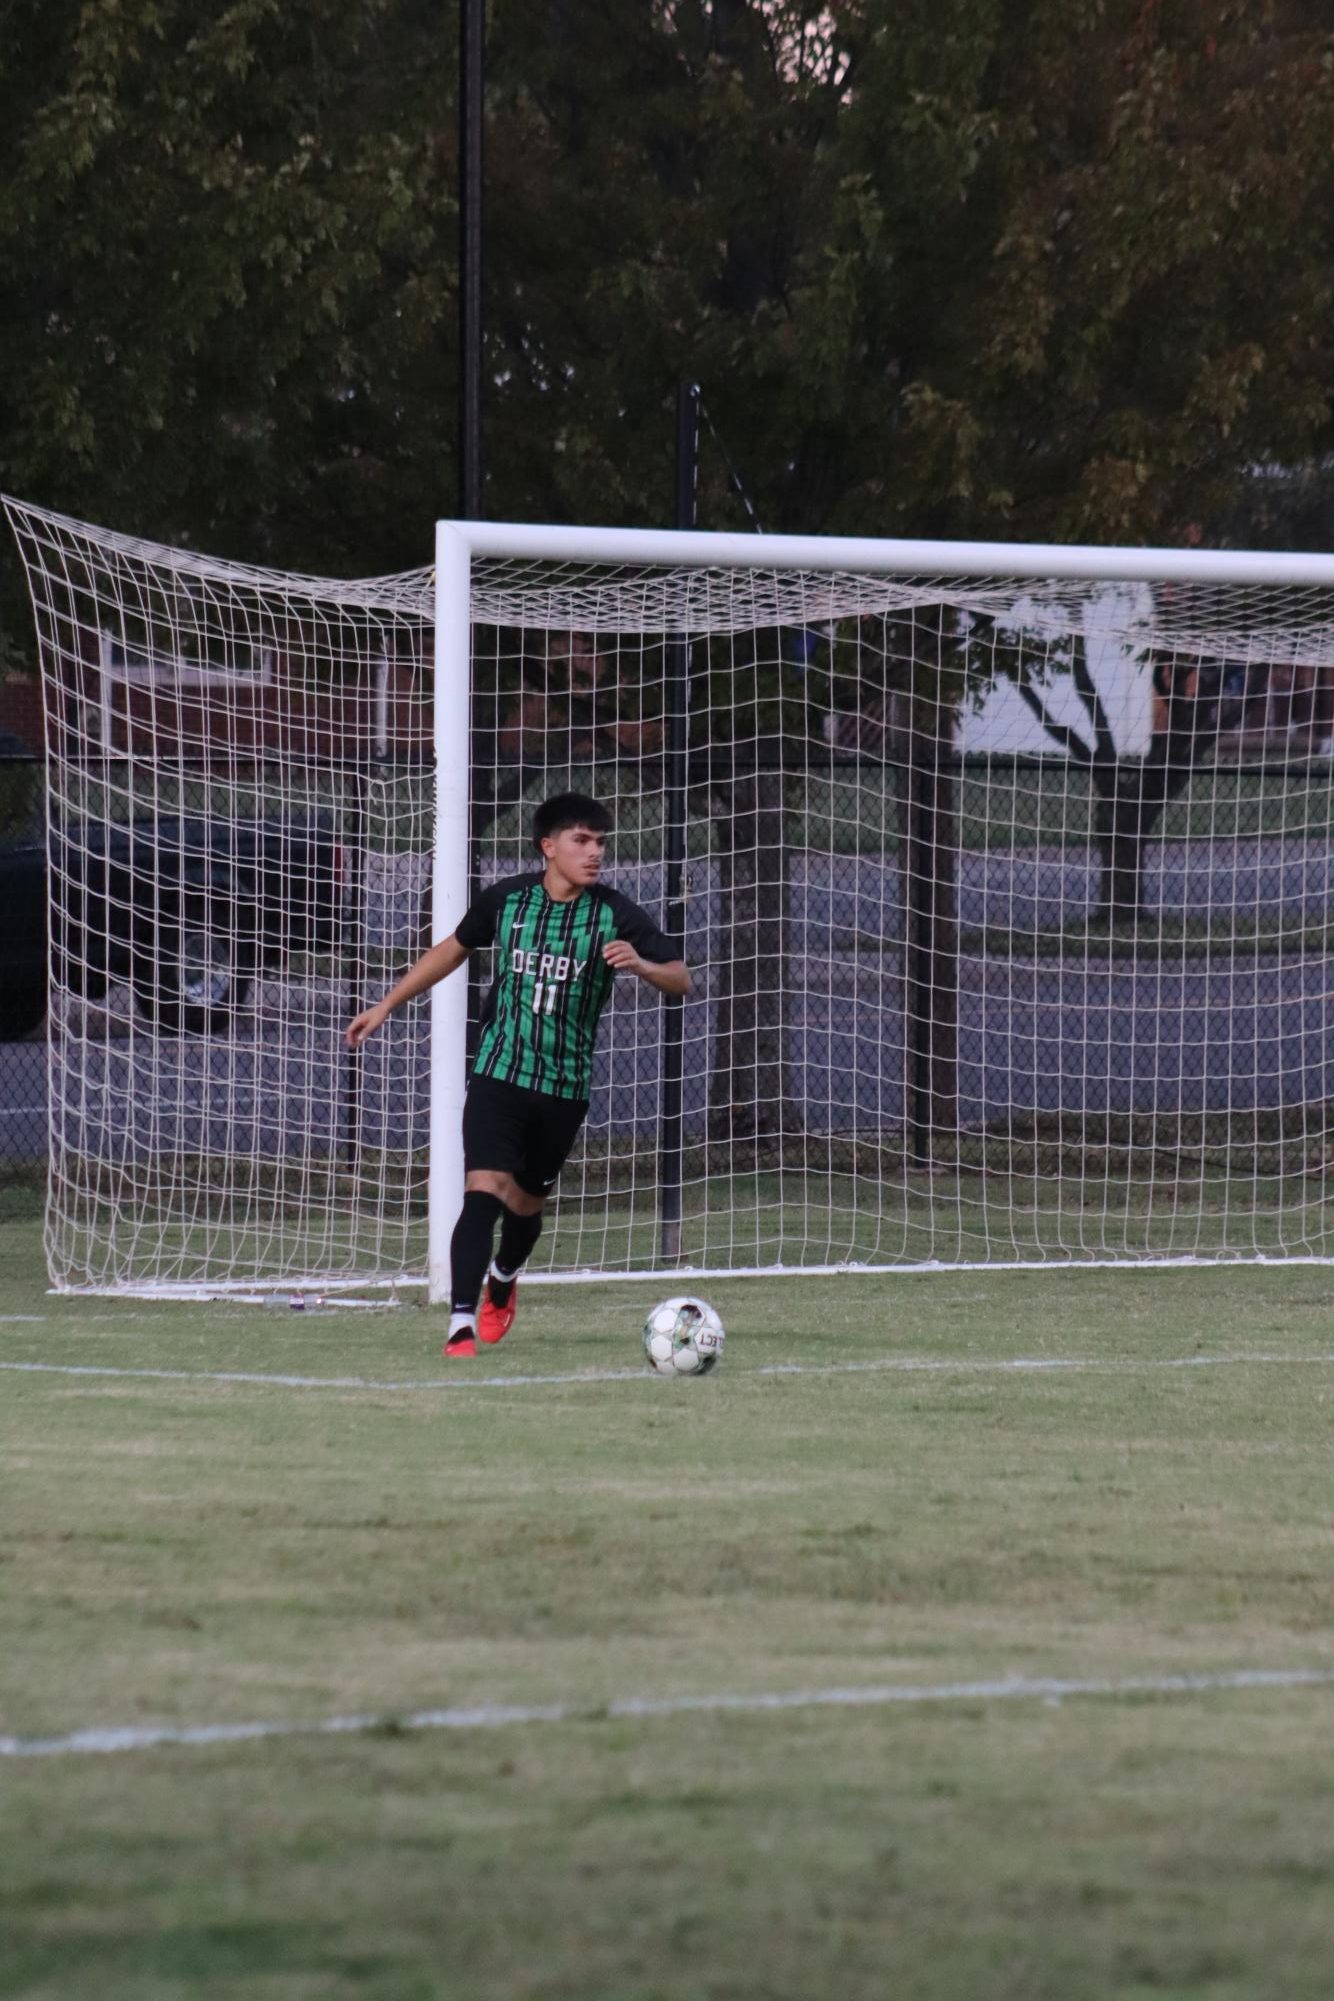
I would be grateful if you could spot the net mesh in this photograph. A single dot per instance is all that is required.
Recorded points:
(1007, 903)
(240, 812)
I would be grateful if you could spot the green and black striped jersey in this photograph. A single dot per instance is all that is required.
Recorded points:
(552, 982)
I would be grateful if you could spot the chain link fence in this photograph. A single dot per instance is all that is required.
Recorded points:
(1013, 1013)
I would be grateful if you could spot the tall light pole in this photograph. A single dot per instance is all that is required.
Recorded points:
(472, 50)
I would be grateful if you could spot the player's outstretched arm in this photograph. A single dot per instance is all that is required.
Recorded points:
(672, 978)
(436, 964)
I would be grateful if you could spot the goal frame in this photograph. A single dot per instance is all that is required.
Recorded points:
(673, 607)
(459, 543)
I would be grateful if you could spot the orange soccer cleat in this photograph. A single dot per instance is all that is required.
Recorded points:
(494, 1322)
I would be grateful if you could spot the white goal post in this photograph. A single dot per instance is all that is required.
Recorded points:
(1005, 872)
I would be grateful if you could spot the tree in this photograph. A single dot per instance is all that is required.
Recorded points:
(1015, 267)
(224, 250)
(1136, 304)
(1012, 268)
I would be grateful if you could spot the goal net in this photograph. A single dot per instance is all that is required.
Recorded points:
(1004, 875)
(240, 824)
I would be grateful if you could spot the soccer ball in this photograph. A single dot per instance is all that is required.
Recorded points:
(683, 1337)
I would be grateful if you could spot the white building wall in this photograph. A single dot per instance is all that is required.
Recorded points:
(1117, 628)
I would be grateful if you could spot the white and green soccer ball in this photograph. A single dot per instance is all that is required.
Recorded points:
(683, 1337)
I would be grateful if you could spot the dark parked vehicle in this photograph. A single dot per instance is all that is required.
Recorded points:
(23, 954)
(22, 890)
(186, 911)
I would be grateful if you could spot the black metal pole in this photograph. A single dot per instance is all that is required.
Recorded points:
(676, 746)
(472, 55)
(472, 124)
(922, 785)
(356, 837)
(932, 942)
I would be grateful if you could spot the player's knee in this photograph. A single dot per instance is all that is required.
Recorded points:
(489, 1181)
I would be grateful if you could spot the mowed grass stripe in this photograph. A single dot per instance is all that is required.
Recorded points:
(131, 1737)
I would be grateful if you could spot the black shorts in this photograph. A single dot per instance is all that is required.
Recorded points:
(508, 1130)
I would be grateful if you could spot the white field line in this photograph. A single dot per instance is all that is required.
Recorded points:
(241, 1292)
(900, 1364)
(134, 1737)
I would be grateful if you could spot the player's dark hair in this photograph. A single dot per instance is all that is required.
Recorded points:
(569, 809)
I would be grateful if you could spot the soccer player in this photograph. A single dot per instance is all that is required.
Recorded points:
(561, 938)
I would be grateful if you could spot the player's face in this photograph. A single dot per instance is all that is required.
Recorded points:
(576, 854)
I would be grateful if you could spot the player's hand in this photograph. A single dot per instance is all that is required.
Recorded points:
(622, 957)
(364, 1025)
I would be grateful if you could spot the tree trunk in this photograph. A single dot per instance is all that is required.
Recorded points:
(1123, 824)
(1128, 812)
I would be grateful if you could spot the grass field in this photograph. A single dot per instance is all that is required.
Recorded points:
(953, 1490)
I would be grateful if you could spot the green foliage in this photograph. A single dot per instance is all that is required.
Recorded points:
(222, 234)
(1017, 267)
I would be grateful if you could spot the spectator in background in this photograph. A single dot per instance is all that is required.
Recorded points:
(879, 729)
(1304, 691)
(575, 705)
(1272, 706)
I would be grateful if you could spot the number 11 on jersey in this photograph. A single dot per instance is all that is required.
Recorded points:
(549, 1007)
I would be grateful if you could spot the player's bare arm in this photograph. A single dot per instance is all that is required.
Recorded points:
(434, 965)
(673, 978)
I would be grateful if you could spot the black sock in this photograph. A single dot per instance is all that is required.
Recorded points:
(470, 1248)
(518, 1234)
